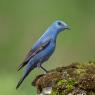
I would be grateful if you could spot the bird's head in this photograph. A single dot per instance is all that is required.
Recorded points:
(60, 25)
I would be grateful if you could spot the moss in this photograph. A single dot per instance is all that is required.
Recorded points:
(46, 80)
(87, 82)
(63, 87)
(54, 93)
(77, 78)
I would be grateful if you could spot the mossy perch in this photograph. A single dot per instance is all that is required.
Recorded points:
(75, 79)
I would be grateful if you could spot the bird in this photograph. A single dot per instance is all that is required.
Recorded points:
(42, 49)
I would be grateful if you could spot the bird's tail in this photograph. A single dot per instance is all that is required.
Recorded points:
(20, 82)
(28, 70)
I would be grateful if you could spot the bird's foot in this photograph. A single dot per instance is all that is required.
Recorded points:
(44, 70)
(40, 66)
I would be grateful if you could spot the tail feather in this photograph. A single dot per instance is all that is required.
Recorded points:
(21, 66)
(23, 78)
(20, 82)
(28, 70)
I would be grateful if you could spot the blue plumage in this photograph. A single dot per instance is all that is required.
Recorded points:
(42, 49)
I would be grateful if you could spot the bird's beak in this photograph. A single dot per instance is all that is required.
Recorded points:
(67, 27)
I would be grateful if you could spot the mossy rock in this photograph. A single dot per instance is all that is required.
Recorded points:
(75, 79)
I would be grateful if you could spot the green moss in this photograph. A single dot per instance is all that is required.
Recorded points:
(63, 87)
(54, 93)
(61, 82)
(69, 88)
(70, 85)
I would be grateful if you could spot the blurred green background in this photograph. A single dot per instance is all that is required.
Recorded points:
(22, 22)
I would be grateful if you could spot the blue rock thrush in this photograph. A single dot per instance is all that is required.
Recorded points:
(42, 49)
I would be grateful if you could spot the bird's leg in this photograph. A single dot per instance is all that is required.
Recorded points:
(44, 69)
(39, 65)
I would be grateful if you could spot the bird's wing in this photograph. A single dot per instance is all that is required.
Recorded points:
(34, 51)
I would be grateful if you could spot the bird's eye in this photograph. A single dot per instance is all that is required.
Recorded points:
(59, 23)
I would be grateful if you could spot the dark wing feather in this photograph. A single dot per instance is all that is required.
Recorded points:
(32, 53)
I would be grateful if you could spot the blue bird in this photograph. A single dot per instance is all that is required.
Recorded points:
(42, 49)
